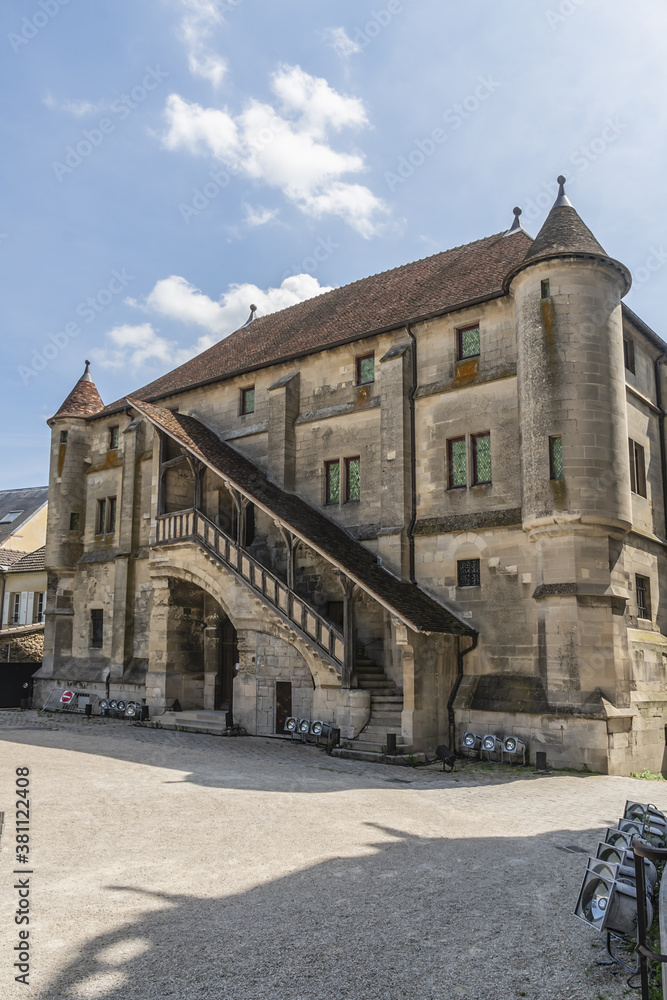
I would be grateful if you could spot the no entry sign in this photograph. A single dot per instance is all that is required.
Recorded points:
(66, 697)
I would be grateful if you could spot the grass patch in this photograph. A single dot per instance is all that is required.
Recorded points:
(647, 775)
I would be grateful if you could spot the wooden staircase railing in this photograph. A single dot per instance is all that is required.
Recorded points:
(192, 525)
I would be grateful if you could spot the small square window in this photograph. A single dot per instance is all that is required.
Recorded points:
(629, 354)
(467, 573)
(481, 459)
(74, 521)
(113, 438)
(96, 628)
(366, 369)
(352, 480)
(63, 437)
(643, 590)
(546, 289)
(333, 482)
(468, 342)
(456, 461)
(248, 400)
(556, 457)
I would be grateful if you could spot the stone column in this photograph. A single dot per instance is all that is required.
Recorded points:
(245, 683)
(156, 677)
(212, 655)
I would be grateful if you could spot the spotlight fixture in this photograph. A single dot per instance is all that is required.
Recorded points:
(303, 728)
(104, 704)
(290, 725)
(625, 857)
(471, 742)
(654, 835)
(133, 710)
(491, 744)
(113, 704)
(607, 904)
(513, 747)
(316, 727)
(640, 810)
(122, 705)
(448, 758)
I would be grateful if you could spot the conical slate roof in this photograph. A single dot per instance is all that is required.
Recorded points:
(83, 400)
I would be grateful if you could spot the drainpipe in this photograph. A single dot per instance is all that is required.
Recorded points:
(413, 457)
(3, 571)
(663, 450)
(459, 677)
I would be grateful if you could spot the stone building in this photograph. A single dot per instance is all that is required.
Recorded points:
(427, 502)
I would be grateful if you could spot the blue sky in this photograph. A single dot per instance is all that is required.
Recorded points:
(168, 162)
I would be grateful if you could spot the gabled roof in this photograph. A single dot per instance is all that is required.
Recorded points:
(83, 400)
(405, 600)
(434, 285)
(32, 562)
(9, 556)
(25, 503)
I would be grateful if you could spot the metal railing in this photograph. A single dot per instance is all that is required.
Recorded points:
(188, 525)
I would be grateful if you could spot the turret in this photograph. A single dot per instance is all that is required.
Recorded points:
(67, 480)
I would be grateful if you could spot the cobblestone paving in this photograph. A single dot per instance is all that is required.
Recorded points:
(184, 866)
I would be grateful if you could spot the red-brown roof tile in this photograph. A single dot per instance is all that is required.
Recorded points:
(31, 562)
(83, 400)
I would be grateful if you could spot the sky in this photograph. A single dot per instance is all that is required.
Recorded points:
(167, 163)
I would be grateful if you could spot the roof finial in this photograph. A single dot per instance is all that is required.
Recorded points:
(562, 198)
(253, 310)
(517, 224)
(87, 377)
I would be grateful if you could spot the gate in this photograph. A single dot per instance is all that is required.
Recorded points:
(16, 684)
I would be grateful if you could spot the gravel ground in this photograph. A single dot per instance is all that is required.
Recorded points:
(174, 865)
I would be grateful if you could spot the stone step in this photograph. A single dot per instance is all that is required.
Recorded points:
(377, 685)
(372, 732)
(376, 758)
(374, 746)
(385, 719)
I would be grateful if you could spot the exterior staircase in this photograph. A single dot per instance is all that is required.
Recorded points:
(386, 709)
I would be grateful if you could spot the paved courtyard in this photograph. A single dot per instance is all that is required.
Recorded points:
(178, 865)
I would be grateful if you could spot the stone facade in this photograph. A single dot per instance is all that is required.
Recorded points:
(565, 659)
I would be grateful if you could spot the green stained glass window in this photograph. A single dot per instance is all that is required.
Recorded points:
(481, 456)
(248, 400)
(353, 476)
(333, 482)
(458, 470)
(556, 457)
(469, 342)
(366, 369)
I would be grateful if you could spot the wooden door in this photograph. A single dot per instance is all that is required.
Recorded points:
(283, 704)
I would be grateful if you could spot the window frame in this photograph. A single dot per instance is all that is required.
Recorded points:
(645, 604)
(245, 392)
(450, 463)
(39, 605)
(476, 481)
(364, 357)
(629, 359)
(63, 437)
(637, 468)
(478, 573)
(545, 287)
(552, 439)
(96, 628)
(74, 520)
(101, 522)
(348, 462)
(459, 342)
(16, 609)
(10, 516)
(112, 511)
(328, 502)
(114, 437)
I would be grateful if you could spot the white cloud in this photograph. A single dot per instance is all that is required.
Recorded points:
(77, 108)
(174, 298)
(287, 149)
(257, 215)
(196, 27)
(341, 43)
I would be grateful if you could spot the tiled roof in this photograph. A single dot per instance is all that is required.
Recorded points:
(26, 502)
(83, 400)
(383, 301)
(564, 231)
(9, 556)
(31, 562)
(406, 600)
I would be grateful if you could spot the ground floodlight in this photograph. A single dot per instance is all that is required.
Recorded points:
(113, 704)
(132, 710)
(514, 747)
(655, 835)
(303, 727)
(625, 857)
(448, 758)
(290, 724)
(122, 705)
(316, 727)
(640, 810)
(104, 704)
(471, 742)
(608, 905)
(491, 744)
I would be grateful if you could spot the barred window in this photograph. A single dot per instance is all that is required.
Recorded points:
(643, 589)
(366, 369)
(556, 457)
(333, 482)
(458, 466)
(468, 342)
(481, 458)
(352, 480)
(96, 628)
(467, 573)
